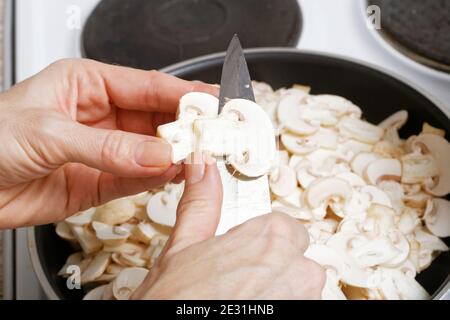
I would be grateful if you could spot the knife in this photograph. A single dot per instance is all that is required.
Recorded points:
(243, 198)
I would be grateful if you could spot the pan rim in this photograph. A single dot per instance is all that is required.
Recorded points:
(441, 292)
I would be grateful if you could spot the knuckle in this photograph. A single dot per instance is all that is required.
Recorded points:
(115, 150)
(279, 224)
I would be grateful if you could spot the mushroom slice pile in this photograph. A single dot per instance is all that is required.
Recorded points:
(370, 200)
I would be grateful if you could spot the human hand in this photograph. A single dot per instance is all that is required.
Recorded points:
(80, 133)
(260, 259)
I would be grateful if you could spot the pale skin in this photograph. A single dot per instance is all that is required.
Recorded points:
(81, 133)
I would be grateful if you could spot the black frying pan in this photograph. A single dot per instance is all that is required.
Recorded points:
(376, 92)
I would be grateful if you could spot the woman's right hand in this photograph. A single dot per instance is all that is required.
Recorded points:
(260, 259)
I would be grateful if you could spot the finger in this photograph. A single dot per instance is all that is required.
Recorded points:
(146, 90)
(123, 154)
(198, 212)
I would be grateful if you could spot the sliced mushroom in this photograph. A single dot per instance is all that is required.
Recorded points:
(86, 238)
(180, 135)
(116, 212)
(108, 292)
(162, 208)
(288, 113)
(395, 192)
(408, 221)
(145, 231)
(96, 293)
(331, 290)
(396, 120)
(304, 176)
(321, 190)
(439, 148)
(63, 230)
(338, 105)
(375, 252)
(380, 219)
(387, 149)
(351, 148)
(281, 158)
(295, 199)
(73, 259)
(377, 196)
(427, 128)
(127, 281)
(132, 260)
(353, 179)
(360, 130)
(96, 268)
(402, 286)
(81, 218)
(243, 133)
(282, 180)
(401, 244)
(343, 265)
(417, 168)
(110, 235)
(429, 241)
(323, 138)
(437, 220)
(361, 161)
(383, 169)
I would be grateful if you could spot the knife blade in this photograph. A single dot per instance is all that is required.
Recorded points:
(235, 81)
(243, 198)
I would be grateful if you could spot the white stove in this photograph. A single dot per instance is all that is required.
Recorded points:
(47, 30)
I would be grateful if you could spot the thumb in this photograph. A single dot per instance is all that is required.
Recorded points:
(118, 152)
(198, 212)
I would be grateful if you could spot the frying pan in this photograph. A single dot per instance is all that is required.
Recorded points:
(376, 91)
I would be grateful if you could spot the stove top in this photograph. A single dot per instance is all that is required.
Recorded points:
(151, 34)
(56, 26)
(419, 29)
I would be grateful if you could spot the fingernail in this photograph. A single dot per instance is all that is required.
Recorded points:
(153, 154)
(195, 169)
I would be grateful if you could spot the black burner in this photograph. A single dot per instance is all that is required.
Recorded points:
(150, 34)
(419, 28)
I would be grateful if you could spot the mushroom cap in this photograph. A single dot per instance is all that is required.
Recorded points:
(127, 281)
(321, 190)
(439, 148)
(282, 180)
(437, 220)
